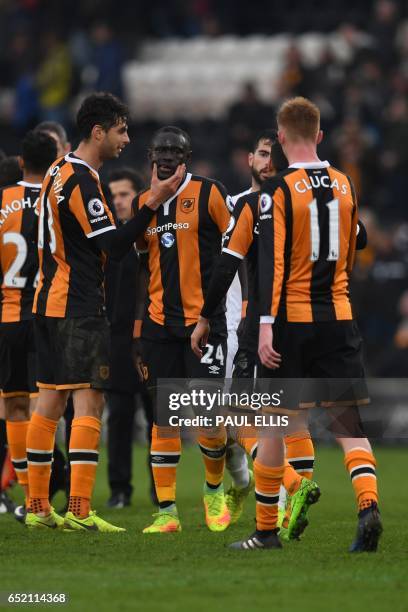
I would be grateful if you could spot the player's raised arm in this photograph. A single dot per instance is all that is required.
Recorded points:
(217, 206)
(118, 243)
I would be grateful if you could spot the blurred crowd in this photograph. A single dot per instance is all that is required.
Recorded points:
(51, 54)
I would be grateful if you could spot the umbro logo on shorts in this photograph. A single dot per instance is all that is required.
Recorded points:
(214, 369)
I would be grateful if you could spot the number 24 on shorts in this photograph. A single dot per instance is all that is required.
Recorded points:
(213, 353)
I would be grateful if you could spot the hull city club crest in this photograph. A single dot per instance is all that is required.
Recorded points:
(187, 205)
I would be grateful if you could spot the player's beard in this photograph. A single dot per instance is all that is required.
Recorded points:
(256, 176)
(109, 151)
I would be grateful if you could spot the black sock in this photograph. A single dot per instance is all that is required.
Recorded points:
(265, 533)
(166, 504)
(212, 486)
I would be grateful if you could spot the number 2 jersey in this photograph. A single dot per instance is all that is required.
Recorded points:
(19, 209)
(73, 210)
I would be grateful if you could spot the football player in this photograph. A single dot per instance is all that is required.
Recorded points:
(19, 209)
(76, 230)
(182, 243)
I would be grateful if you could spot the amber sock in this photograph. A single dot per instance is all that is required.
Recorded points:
(361, 465)
(291, 479)
(267, 484)
(17, 443)
(83, 458)
(213, 451)
(165, 453)
(247, 438)
(40, 446)
(300, 453)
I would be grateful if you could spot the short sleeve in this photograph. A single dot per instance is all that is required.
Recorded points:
(240, 232)
(88, 204)
(271, 250)
(217, 206)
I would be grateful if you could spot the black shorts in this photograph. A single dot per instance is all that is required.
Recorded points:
(17, 359)
(167, 353)
(325, 359)
(72, 353)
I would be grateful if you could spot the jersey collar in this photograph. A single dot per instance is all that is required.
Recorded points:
(25, 184)
(72, 159)
(310, 165)
(183, 185)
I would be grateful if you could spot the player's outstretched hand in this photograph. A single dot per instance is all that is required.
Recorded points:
(160, 191)
(199, 337)
(267, 354)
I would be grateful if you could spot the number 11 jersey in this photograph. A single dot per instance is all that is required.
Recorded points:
(307, 238)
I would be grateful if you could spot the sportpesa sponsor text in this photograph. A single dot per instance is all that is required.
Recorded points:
(151, 231)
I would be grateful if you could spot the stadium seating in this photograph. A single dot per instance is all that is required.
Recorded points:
(201, 76)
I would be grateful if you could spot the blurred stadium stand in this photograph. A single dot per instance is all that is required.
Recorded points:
(219, 69)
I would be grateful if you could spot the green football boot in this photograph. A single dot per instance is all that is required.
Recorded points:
(51, 521)
(235, 498)
(300, 502)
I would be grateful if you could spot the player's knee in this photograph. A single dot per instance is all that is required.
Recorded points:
(298, 423)
(17, 408)
(51, 403)
(345, 422)
(88, 402)
(270, 451)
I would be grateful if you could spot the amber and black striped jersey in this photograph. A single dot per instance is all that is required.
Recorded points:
(18, 250)
(183, 242)
(73, 209)
(306, 246)
(240, 239)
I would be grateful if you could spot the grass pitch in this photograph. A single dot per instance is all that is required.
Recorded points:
(195, 571)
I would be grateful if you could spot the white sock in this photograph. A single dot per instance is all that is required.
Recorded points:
(237, 465)
(282, 497)
(172, 508)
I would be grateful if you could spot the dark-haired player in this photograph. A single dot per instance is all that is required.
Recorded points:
(259, 162)
(264, 160)
(10, 174)
(19, 209)
(183, 241)
(60, 471)
(76, 229)
(57, 131)
(10, 171)
(123, 297)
